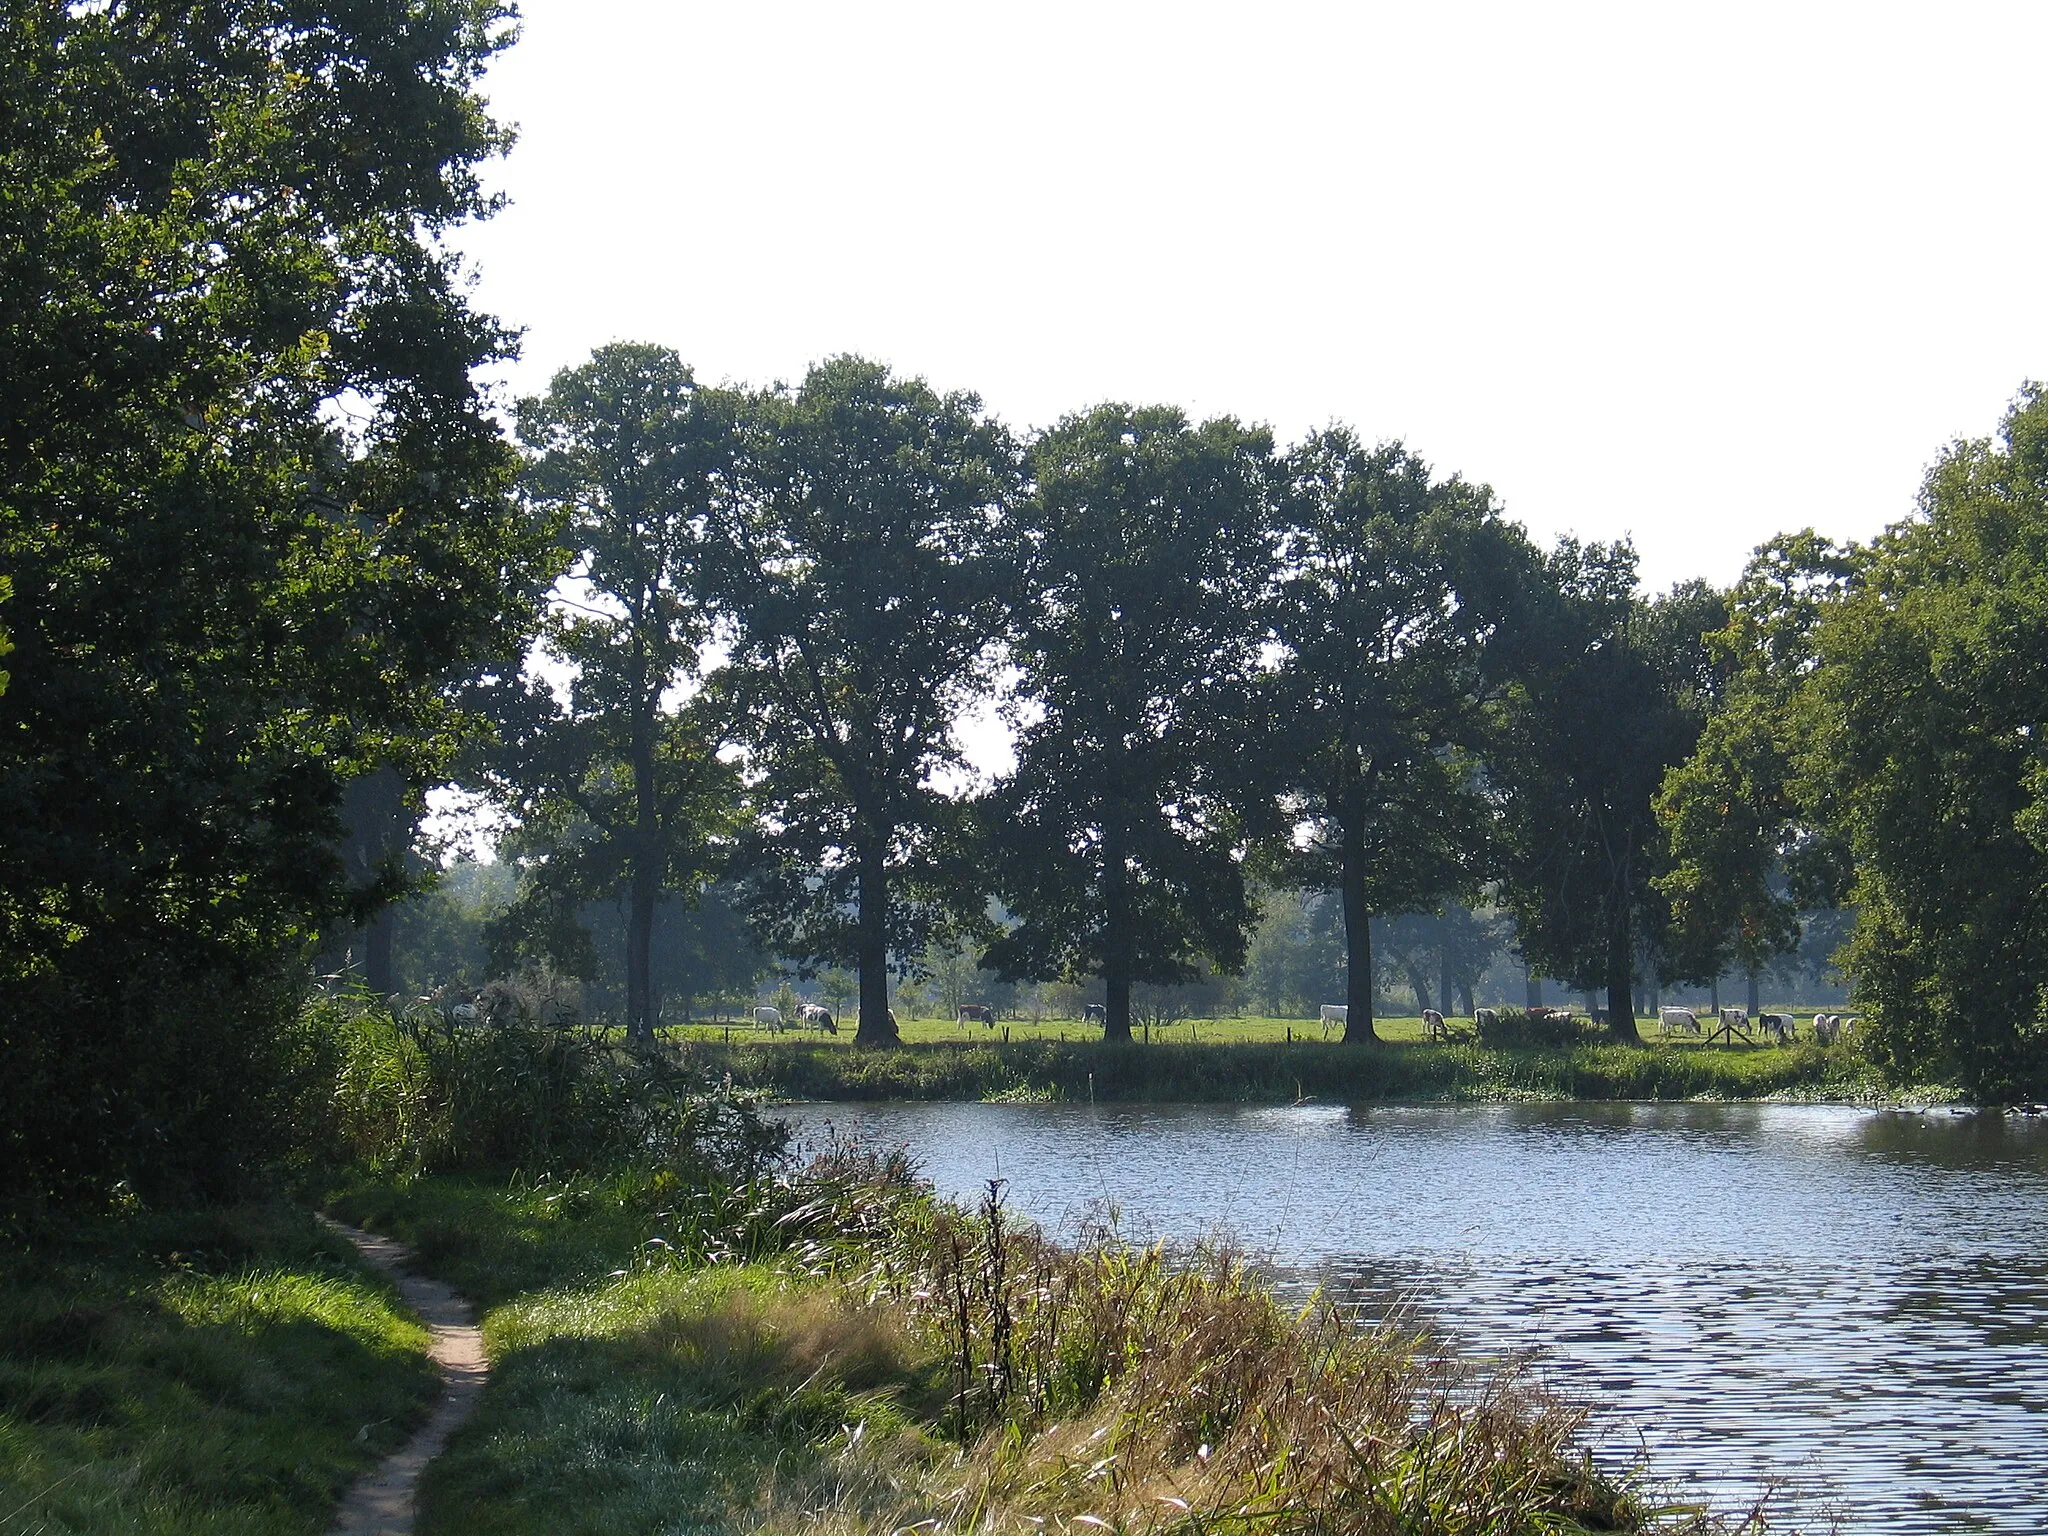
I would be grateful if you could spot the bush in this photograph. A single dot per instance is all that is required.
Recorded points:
(415, 1094)
(1511, 1029)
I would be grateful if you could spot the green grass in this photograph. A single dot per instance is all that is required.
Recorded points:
(222, 1371)
(1279, 1072)
(678, 1399)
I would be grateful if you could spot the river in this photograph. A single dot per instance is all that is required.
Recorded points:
(1843, 1310)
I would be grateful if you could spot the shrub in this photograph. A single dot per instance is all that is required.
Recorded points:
(1512, 1029)
(413, 1093)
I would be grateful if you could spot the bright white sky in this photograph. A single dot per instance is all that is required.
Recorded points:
(1692, 274)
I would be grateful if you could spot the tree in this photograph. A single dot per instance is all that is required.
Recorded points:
(1916, 739)
(1391, 609)
(1119, 840)
(1617, 694)
(254, 512)
(1744, 859)
(618, 786)
(870, 581)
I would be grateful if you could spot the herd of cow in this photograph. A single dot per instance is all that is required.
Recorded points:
(496, 1004)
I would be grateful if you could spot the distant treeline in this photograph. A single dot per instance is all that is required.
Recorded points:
(271, 568)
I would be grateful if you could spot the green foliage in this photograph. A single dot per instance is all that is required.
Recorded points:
(1881, 745)
(1742, 860)
(1276, 1073)
(443, 932)
(227, 1369)
(1296, 960)
(871, 576)
(1512, 1029)
(1119, 840)
(253, 512)
(1926, 712)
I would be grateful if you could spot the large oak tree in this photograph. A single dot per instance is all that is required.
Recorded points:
(617, 784)
(1396, 608)
(869, 583)
(1119, 841)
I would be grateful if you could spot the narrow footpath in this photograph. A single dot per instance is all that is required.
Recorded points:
(382, 1501)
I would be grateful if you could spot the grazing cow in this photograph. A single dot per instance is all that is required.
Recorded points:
(1433, 1026)
(975, 1013)
(1334, 1014)
(1095, 1013)
(1777, 1025)
(1678, 1021)
(1486, 1018)
(768, 1018)
(811, 1016)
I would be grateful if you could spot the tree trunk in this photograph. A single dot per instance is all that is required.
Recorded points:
(1443, 991)
(645, 887)
(379, 974)
(1419, 985)
(640, 954)
(1532, 991)
(1621, 980)
(1116, 931)
(1756, 1004)
(1357, 939)
(872, 945)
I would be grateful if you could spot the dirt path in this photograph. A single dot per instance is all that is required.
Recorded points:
(381, 1503)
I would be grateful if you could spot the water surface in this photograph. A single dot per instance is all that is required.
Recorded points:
(1846, 1309)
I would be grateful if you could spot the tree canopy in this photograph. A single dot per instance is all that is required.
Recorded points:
(617, 786)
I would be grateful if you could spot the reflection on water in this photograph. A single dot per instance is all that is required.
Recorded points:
(1848, 1308)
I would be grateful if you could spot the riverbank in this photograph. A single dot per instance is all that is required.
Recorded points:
(1078, 1071)
(839, 1353)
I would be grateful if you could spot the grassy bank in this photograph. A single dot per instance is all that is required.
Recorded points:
(839, 1353)
(220, 1371)
(1278, 1072)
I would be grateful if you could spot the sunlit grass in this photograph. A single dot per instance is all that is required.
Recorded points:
(217, 1371)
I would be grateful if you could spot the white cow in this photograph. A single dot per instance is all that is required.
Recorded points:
(1335, 1014)
(1433, 1026)
(1678, 1021)
(811, 1016)
(768, 1018)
